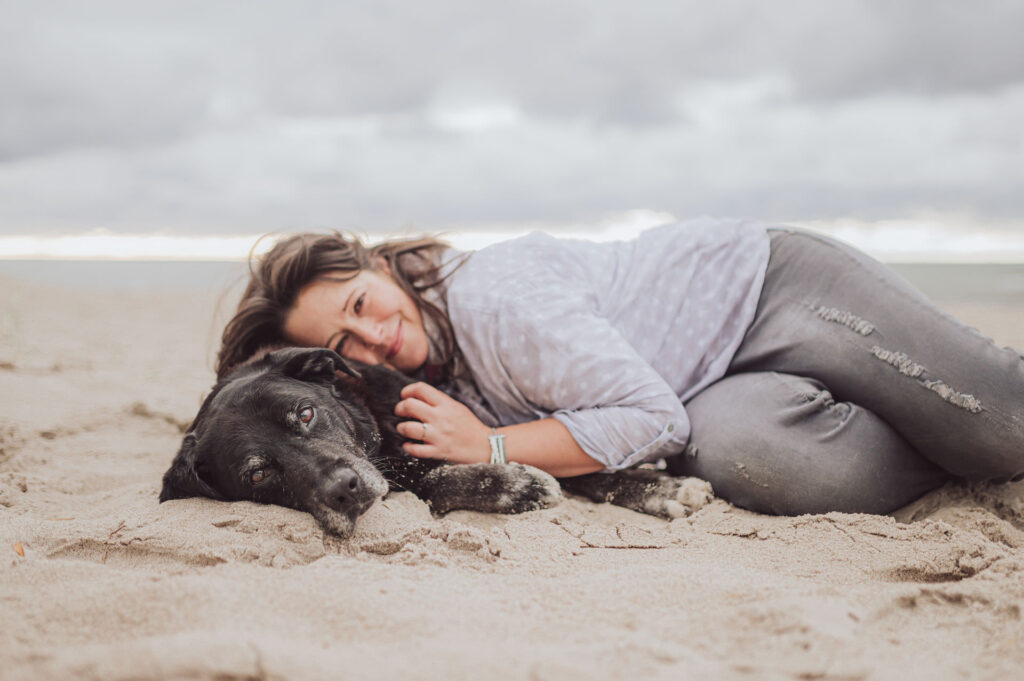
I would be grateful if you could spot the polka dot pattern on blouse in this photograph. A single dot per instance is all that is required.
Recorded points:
(609, 338)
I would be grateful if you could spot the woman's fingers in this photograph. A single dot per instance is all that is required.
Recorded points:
(444, 428)
(413, 408)
(422, 451)
(425, 392)
(414, 430)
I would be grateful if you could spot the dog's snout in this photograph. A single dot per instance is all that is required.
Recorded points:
(345, 489)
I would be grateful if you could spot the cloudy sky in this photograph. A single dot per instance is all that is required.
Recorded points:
(235, 118)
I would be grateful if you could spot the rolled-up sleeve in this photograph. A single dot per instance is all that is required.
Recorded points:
(534, 357)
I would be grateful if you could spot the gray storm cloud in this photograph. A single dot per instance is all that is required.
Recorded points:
(246, 117)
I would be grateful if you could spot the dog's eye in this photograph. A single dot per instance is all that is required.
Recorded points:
(258, 476)
(306, 414)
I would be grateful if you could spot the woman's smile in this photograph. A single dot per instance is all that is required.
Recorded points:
(396, 345)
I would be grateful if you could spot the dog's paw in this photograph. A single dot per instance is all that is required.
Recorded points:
(491, 488)
(526, 489)
(673, 497)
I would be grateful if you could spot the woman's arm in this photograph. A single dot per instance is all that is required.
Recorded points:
(448, 430)
(547, 445)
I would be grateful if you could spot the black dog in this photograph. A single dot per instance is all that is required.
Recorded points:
(306, 429)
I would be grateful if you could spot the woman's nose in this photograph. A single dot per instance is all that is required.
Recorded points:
(369, 332)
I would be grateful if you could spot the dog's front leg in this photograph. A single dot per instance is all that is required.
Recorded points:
(489, 488)
(645, 491)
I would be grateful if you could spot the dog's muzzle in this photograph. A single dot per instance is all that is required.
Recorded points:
(346, 492)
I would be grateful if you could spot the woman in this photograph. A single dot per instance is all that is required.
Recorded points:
(794, 373)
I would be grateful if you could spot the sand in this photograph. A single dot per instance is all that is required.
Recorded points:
(99, 581)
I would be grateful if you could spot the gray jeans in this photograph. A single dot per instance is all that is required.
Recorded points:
(852, 392)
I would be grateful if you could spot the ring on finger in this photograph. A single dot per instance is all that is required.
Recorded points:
(423, 435)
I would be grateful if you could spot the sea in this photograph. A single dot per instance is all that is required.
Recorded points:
(942, 282)
(133, 275)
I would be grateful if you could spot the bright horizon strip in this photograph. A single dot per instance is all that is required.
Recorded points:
(890, 240)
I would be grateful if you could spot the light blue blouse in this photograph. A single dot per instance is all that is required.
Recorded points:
(609, 338)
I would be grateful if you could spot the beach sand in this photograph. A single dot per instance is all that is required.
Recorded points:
(99, 581)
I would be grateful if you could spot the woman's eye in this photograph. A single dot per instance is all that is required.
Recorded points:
(359, 303)
(306, 414)
(258, 476)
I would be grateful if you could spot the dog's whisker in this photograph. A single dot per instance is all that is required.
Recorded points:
(395, 485)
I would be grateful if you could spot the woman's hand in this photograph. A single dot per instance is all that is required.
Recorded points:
(446, 429)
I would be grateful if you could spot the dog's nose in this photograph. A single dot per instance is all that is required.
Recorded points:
(345, 489)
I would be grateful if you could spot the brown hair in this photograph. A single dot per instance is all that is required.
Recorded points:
(276, 278)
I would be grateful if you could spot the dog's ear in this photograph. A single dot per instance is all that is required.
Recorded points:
(184, 478)
(316, 365)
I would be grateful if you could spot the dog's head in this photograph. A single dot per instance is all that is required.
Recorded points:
(289, 429)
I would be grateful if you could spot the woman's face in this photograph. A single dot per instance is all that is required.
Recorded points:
(366, 318)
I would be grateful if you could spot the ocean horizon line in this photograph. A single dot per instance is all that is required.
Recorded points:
(924, 241)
